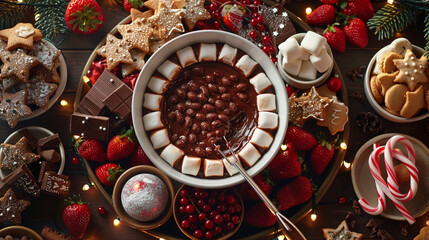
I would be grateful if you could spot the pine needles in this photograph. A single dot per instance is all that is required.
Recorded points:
(50, 18)
(11, 14)
(426, 31)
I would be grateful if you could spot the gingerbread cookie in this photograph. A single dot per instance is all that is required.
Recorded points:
(13, 107)
(115, 51)
(154, 4)
(336, 116)
(376, 92)
(414, 101)
(195, 11)
(22, 35)
(137, 65)
(16, 155)
(386, 64)
(18, 64)
(386, 81)
(341, 232)
(395, 97)
(11, 208)
(136, 34)
(136, 14)
(324, 91)
(313, 105)
(411, 70)
(423, 234)
(51, 234)
(295, 112)
(168, 20)
(45, 54)
(39, 91)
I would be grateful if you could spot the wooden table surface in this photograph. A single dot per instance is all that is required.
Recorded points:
(76, 49)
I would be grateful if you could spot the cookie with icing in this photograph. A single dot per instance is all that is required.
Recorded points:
(336, 116)
(11, 208)
(411, 70)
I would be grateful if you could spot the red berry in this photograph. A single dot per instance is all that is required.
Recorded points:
(208, 235)
(218, 230)
(226, 217)
(274, 60)
(193, 218)
(202, 216)
(237, 207)
(260, 19)
(75, 160)
(266, 40)
(184, 201)
(221, 208)
(198, 233)
(272, 49)
(185, 224)
(255, 15)
(213, 6)
(266, 49)
(253, 22)
(334, 84)
(209, 224)
(260, 27)
(182, 209)
(101, 210)
(221, 197)
(230, 226)
(256, 3)
(231, 210)
(342, 200)
(204, 194)
(289, 91)
(253, 35)
(213, 214)
(216, 24)
(211, 201)
(206, 208)
(235, 219)
(218, 219)
(184, 193)
(246, 2)
(230, 199)
(190, 208)
(200, 203)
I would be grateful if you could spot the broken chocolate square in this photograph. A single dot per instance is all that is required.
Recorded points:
(51, 156)
(31, 140)
(49, 142)
(90, 126)
(23, 179)
(56, 184)
(46, 167)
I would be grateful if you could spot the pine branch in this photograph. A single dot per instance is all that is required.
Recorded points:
(419, 4)
(50, 19)
(11, 14)
(426, 31)
(391, 19)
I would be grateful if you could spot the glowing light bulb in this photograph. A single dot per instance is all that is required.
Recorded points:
(346, 164)
(64, 103)
(161, 238)
(343, 145)
(390, 1)
(85, 187)
(283, 147)
(116, 222)
(308, 10)
(281, 237)
(86, 79)
(427, 222)
(76, 137)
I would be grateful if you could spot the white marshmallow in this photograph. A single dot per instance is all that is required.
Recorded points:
(321, 62)
(313, 42)
(152, 101)
(207, 52)
(261, 82)
(246, 65)
(152, 121)
(230, 168)
(268, 120)
(249, 154)
(213, 168)
(191, 165)
(308, 71)
(172, 154)
(290, 49)
(266, 102)
(306, 55)
(261, 138)
(186, 56)
(169, 69)
(292, 67)
(158, 84)
(159, 138)
(228, 55)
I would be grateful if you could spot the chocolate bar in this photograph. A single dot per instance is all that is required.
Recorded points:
(52, 234)
(56, 184)
(51, 156)
(31, 140)
(278, 22)
(48, 142)
(90, 126)
(46, 167)
(119, 101)
(23, 179)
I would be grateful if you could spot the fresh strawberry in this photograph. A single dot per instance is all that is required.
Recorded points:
(121, 146)
(299, 139)
(334, 84)
(363, 9)
(108, 173)
(285, 166)
(92, 149)
(232, 17)
(290, 90)
(333, 2)
(321, 156)
(139, 157)
(84, 16)
(336, 38)
(259, 215)
(137, 4)
(76, 216)
(356, 32)
(294, 193)
(322, 15)
(262, 181)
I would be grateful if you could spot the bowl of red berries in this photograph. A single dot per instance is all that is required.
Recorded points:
(208, 214)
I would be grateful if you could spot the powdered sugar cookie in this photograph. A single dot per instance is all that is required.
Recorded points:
(18, 64)
(115, 51)
(45, 54)
(13, 107)
(39, 91)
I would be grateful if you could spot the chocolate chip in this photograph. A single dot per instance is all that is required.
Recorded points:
(223, 117)
(209, 150)
(190, 112)
(222, 89)
(200, 116)
(219, 104)
(211, 100)
(200, 152)
(181, 107)
(226, 97)
(180, 143)
(208, 108)
(198, 70)
(202, 98)
(195, 128)
(233, 107)
(211, 116)
(192, 96)
(242, 96)
(171, 116)
(213, 88)
(219, 133)
(188, 122)
(205, 126)
(242, 87)
(179, 117)
(216, 124)
(233, 77)
(226, 82)
(192, 138)
(174, 137)
(193, 86)
(172, 99)
(204, 90)
(210, 78)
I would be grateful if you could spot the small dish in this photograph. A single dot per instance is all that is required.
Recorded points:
(302, 83)
(60, 89)
(38, 132)
(376, 106)
(20, 231)
(364, 184)
(119, 209)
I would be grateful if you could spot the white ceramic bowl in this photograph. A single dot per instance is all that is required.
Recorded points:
(38, 132)
(208, 36)
(299, 82)
(364, 184)
(376, 106)
(58, 91)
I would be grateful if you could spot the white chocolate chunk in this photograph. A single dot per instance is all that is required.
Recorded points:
(268, 120)
(230, 168)
(290, 49)
(158, 84)
(313, 42)
(261, 138)
(172, 154)
(249, 154)
(159, 138)
(169, 69)
(261, 82)
(292, 67)
(308, 71)
(152, 121)
(152, 101)
(186, 56)
(228, 55)
(246, 65)
(321, 62)
(207, 52)
(213, 168)
(266, 102)
(191, 165)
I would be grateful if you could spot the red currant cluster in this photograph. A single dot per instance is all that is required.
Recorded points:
(207, 214)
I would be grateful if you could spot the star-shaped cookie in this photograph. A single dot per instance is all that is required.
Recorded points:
(45, 54)
(313, 105)
(195, 11)
(22, 35)
(136, 34)
(138, 62)
(411, 70)
(154, 4)
(295, 112)
(136, 14)
(13, 107)
(17, 154)
(11, 207)
(18, 64)
(39, 91)
(115, 51)
(342, 232)
(336, 116)
(168, 20)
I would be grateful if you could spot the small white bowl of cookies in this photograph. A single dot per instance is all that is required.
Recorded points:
(397, 83)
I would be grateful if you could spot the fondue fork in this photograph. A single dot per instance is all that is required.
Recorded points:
(289, 229)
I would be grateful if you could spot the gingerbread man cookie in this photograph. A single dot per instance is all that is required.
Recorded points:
(411, 70)
(336, 116)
